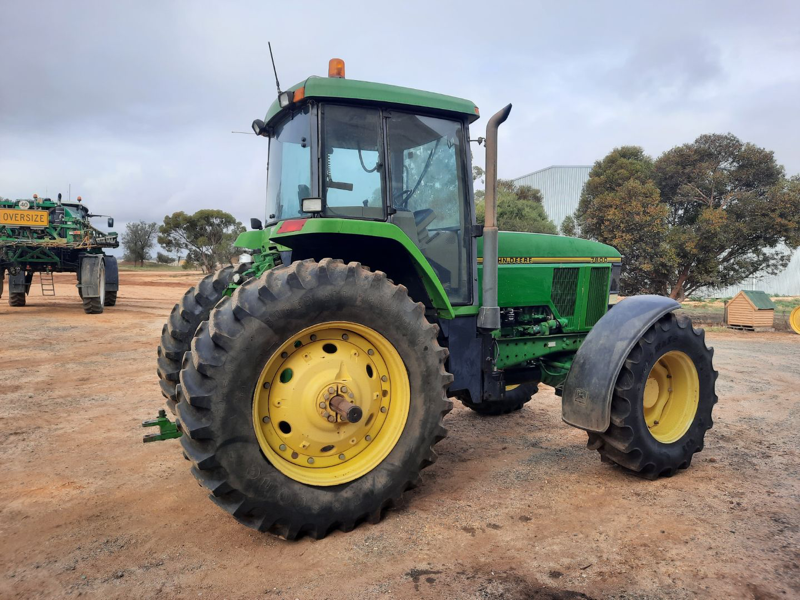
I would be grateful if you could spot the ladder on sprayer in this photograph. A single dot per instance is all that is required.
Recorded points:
(48, 287)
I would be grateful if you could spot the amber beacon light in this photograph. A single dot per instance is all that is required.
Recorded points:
(336, 68)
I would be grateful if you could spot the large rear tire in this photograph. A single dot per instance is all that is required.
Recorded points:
(515, 398)
(256, 378)
(178, 331)
(662, 401)
(16, 299)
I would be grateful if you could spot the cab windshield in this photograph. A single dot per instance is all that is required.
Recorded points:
(352, 169)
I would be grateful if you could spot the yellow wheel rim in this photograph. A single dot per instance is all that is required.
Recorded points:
(512, 387)
(297, 428)
(794, 319)
(670, 397)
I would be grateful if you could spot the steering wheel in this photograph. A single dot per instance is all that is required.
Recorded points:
(403, 196)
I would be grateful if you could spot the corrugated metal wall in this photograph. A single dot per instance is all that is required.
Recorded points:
(784, 284)
(560, 186)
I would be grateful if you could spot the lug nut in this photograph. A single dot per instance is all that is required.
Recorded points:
(331, 390)
(383, 409)
(265, 420)
(310, 461)
(282, 446)
(344, 389)
(368, 438)
(331, 419)
(322, 405)
(384, 378)
(341, 457)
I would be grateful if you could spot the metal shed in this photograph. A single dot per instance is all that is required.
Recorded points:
(561, 188)
(750, 308)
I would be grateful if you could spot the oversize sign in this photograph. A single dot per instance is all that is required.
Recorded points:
(24, 218)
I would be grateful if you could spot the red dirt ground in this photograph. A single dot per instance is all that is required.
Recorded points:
(516, 507)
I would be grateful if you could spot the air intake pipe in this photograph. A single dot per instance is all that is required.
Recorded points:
(489, 316)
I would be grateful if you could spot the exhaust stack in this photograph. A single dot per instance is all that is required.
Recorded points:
(489, 316)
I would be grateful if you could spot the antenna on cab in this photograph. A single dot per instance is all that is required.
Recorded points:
(274, 70)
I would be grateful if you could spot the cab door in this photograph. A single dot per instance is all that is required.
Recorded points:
(428, 193)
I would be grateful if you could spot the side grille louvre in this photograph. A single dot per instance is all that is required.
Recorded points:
(565, 292)
(598, 295)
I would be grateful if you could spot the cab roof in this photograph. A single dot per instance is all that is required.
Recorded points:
(352, 89)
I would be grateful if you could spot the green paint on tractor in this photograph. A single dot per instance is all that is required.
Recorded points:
(370, 285)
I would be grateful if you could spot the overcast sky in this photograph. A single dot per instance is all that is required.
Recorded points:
(134, 103)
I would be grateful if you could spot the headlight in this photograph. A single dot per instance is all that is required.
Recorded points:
(311, 205)
(616, 271)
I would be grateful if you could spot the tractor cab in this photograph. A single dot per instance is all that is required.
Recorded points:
(371, 152)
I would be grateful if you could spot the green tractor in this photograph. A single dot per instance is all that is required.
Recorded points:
(311, 382)
(50, 236)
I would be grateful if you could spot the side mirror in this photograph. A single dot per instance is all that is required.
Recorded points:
(256, 224)
(259, 127)
(110, 222)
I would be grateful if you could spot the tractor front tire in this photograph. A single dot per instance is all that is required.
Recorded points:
(178, 331)
(515, 398)
(254, 408)
(662, 401)
(111, 299)
(16, 299)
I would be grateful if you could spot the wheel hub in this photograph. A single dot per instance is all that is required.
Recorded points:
(331, 403)
(671, 395)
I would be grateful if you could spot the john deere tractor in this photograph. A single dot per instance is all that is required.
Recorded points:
(50, 236)
(311, 382)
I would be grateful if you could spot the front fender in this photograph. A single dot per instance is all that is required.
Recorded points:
(586, 401)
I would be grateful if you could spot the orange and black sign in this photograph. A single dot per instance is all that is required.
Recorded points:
(24, 218)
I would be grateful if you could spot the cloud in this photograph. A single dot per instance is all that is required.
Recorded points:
(133, 102)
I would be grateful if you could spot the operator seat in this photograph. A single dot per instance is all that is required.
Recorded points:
(423, 218)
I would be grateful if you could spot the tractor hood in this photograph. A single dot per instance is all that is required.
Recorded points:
(530, 248)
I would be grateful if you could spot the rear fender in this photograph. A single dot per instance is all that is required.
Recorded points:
(586, 402)
(380, 246)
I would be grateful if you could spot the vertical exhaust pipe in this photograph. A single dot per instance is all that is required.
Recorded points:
(489, 316)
